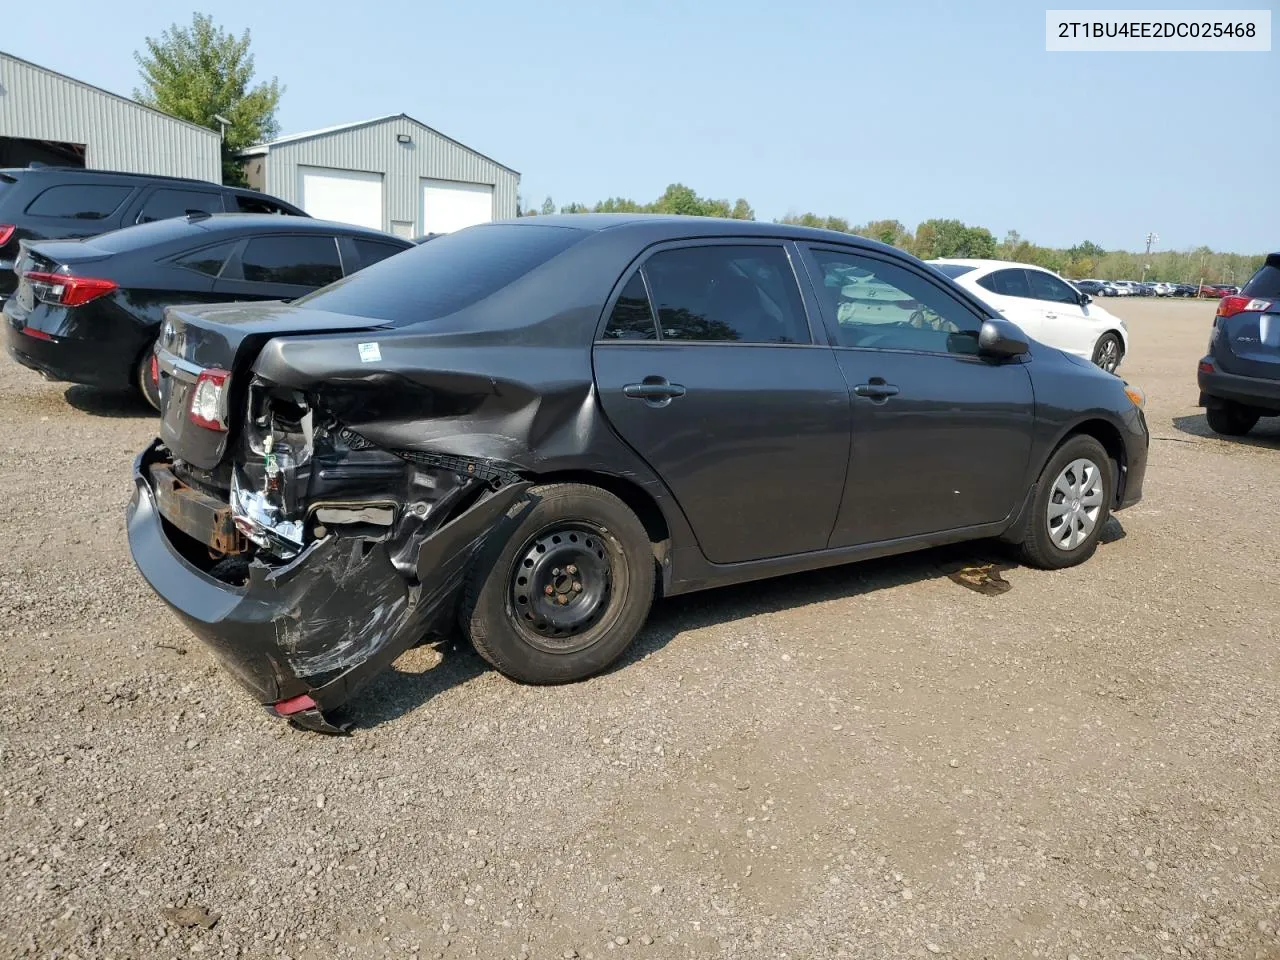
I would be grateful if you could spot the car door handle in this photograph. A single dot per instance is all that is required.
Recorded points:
(653, 388)
(1051, 316)
(877, 389)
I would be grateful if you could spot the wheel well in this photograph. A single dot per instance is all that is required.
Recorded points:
(632, 494)
(1107, 435)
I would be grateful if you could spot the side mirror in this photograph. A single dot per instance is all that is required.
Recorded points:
(1085, 299)
(1002, 339)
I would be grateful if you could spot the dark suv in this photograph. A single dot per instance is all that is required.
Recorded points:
(1240, 377)
(63, 203)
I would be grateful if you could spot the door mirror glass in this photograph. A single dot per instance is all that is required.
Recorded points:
(1002, 339)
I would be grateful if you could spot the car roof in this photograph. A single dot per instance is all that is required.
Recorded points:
(82, 173)
(276, 223)
(677, 226)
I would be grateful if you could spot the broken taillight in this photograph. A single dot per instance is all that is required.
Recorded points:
(65, 291)
(209, 400)
(1230, 306)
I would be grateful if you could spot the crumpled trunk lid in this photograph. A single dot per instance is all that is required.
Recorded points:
(225, 337)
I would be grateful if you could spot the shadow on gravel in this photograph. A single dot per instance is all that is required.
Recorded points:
(978, 566)
(1266, 434)
(108, 403)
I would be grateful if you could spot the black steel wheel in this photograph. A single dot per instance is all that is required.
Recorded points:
(561, 586)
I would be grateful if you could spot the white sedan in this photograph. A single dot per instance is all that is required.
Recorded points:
(1045, 306)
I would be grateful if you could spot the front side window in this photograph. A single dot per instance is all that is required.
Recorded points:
(1007, 283)
(1045, 286)
(301, 261)
(165, 203)
(81, 201)
(739, 294)
(632, 317)
(876, 304)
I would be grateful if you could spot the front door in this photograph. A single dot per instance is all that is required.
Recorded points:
(1067, 324)
(707, 367)
(941, 436)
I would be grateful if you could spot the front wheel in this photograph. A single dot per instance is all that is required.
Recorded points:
(1108, 352)
(1231, 419)
(561, 587)
(1072, 503)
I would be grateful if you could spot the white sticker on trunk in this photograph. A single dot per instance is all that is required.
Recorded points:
(370, 353)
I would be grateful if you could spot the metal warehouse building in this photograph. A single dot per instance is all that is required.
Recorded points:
(51, 118)
(391, 173)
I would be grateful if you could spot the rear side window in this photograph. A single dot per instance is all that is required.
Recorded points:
(302, 261)
(1266, 282)
(741, 294)
(444, 276)
(207, 260)
(632, 317)
(80, 201)
(251, 204)
(369, 252)
(1007, 283)
(165, 203)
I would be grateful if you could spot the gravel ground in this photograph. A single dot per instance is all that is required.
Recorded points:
(865, 762)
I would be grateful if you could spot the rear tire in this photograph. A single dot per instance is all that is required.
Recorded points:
(149, 389)
(561, 587)
(1071, 506)
(1231, 419)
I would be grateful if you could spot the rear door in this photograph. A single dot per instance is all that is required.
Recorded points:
(941, 436)
(1246, 339)
(280, 266)
(707, 366)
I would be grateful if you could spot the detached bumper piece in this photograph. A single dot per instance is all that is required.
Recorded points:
(306, 635)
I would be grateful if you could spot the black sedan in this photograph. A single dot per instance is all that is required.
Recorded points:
(88, 311)
(527, 428)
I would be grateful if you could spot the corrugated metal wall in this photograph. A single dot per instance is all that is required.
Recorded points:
(118, 134)
(374, 149)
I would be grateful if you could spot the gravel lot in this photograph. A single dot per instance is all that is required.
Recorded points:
(866, 762)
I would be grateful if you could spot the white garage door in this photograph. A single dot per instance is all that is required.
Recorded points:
(448, 205)
(346, 196)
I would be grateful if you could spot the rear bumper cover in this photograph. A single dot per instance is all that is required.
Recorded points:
(326, 622)
(95, 363)
(1252, 391)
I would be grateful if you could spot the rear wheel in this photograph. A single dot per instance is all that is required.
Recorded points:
(1231, 419)
(147, 378)
(1108, 352)
(561, 588)
(1072, 503)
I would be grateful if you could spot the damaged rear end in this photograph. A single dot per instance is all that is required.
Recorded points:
(304, 554)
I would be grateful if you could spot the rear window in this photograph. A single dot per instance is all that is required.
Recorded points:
(1266, 282)
(952, 270)
(442, 277)
(145, 235)
(79, 201)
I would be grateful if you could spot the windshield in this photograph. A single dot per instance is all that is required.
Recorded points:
(453, 271)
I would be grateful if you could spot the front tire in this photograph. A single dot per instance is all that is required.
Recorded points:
(561, 587)
(1108, 352)
(1072, 504)
(1231, 419)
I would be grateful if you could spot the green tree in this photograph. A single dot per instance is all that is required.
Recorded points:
(548, 207)
(886, 231)
(1087, 249)
(199, 72)
(951, 238)
(575, 208)
(742, 210)
(681, 200)
(618, 205)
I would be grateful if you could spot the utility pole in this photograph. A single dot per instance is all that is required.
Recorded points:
(1151, 238)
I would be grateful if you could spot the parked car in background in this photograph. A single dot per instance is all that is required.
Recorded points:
(61, 203)
(377, 461)
(1045, 306)
(1092, 287)
(1185, 290)
(1162, 289)
(88, 311)
(1239, 379)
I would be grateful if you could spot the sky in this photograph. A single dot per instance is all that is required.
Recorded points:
(864, 110)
